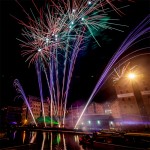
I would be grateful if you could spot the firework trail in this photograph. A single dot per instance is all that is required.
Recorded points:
(140, 30)
(73, 60)
(22, 95)
(38, 69)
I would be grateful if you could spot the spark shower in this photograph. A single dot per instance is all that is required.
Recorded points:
(52, 40)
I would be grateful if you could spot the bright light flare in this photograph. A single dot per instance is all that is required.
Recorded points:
(131, 76)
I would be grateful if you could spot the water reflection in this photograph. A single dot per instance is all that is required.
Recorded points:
(33, 136)
(24, 136)
(46, 140)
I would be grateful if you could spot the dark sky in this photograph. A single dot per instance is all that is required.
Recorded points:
(90, 63)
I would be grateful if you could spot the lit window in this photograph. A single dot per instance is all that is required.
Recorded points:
(98, 122)
(111, 122)
(89, 122)
(108, 111)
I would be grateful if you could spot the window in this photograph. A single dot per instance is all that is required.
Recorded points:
(98, 122)
(89, 122)
(108, 111)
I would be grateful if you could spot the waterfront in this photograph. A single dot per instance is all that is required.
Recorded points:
(65, 139)
(39, 140)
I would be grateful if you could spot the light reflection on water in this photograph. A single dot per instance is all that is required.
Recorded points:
(47, 140)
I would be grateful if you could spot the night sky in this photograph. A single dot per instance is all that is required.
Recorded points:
(90, 63)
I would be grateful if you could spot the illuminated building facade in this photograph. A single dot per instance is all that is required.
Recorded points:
(94, 117)
(131, 107)
(36, 108)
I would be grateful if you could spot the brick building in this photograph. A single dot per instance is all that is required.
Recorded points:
(132, 104)
(36, 108)
(96, 117)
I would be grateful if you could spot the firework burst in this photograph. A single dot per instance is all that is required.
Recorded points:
(53, 40)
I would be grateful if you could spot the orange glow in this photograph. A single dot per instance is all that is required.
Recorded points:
(131, 76)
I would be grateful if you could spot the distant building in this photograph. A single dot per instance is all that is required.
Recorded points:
(94, 118)
(35, 106)
(36, 109)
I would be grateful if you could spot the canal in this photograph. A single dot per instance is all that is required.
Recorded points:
(39, 140)
(44, 139)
